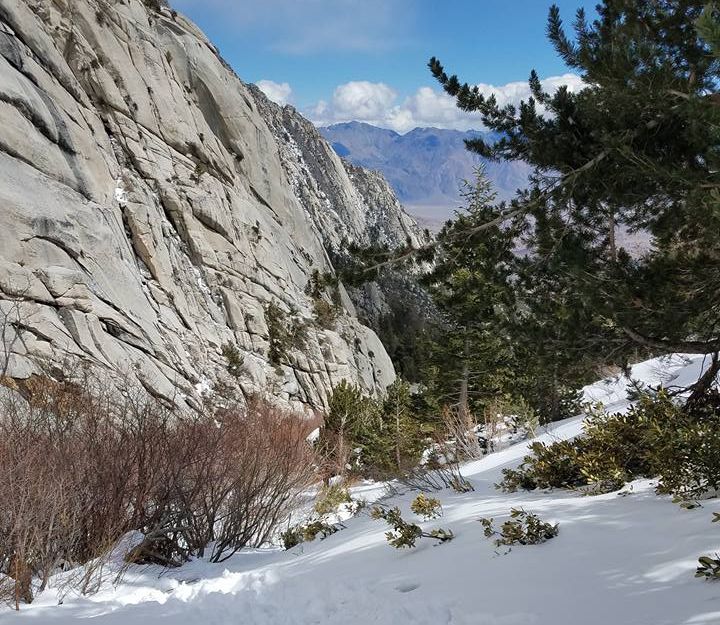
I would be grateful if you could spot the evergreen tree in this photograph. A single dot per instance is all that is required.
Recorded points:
(470, 283)
(401, 427)
(637, 149)
(372, 437)
(510, 329)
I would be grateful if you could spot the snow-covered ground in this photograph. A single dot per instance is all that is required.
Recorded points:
(619, 559)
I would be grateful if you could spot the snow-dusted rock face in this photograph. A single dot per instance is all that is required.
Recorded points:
(152, 205)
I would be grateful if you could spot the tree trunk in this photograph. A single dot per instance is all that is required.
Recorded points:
(703, 392)
(341, 448)
(397, 436)
(611, 236)
(473, 446)
(555, 396)
(23, 580)
(463, 404)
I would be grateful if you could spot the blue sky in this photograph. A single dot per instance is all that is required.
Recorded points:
(366, 59)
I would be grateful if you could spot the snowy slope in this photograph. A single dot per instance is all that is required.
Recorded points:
(618, 560)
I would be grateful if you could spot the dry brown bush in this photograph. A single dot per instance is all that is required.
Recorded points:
(459, 427)
(81, 465)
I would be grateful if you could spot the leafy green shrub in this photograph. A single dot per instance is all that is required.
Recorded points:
(708, 567)
(426, 507)
(656, 438)
(331, 498)
(615, 448)
(549, 466)
(291, 537)
(523, 528)
(235, 362)
(317, 528)
(403, 534)
(325, 314)
(685, 452)
(327, 503)
(307, 533)
(285, 333)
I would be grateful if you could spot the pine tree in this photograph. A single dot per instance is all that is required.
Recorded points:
(470, 284)
(372, 437)
(510, 329)
(637, 149)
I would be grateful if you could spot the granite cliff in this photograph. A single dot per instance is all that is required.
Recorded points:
(152, 207)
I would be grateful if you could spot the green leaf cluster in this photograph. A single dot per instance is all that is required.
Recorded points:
(655, 438)
(709, 568)
(404, 534)
(523, 528)
(426, 507)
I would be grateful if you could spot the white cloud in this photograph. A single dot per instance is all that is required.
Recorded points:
(362, 99)
(430, 107)
(376, 103)
(278, 92)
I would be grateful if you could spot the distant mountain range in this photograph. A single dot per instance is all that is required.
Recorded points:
(426, 166)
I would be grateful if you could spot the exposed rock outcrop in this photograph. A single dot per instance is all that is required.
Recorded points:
(152, 205)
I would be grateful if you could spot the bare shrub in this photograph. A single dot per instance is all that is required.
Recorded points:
(82, 465)
(441, 470)
(272, 464)
(236, 476)
(423, 480)
(460, 428)
(493, 418)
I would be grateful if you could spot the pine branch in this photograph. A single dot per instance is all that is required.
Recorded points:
(688, 347)
(536, 88)
(567, 50)
(708, 27)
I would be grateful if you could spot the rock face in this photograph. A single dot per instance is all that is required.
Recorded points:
(152, 205)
